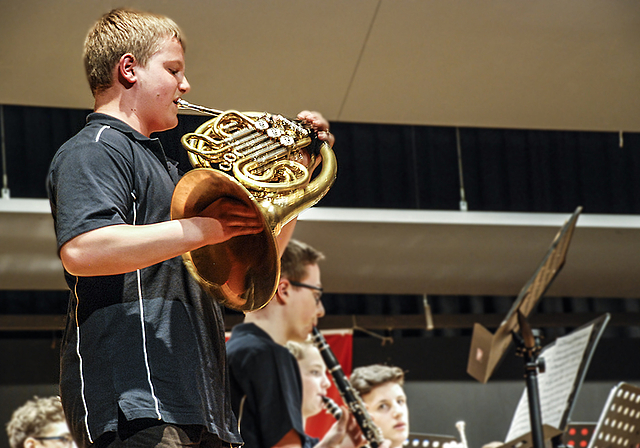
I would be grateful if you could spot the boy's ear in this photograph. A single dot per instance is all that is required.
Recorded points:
(126, 69)
(282, 293)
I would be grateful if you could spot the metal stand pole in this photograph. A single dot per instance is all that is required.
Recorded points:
(528, 346)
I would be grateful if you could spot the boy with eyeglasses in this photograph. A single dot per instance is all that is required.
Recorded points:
(39, 423)
(266, 388)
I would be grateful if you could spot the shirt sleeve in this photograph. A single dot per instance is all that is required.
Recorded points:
(270, 381)
(92, 186)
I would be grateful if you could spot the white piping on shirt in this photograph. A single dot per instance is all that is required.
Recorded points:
(84, 401)
(100, 132)
(142, 326)
(241, 410)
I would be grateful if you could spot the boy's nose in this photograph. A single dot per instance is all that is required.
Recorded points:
(184, 85)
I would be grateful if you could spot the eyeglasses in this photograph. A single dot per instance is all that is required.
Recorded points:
(65, 440)
(318, 291)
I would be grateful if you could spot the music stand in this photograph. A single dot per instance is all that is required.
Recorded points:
(567, 361)
(619, 422)
(488, 349)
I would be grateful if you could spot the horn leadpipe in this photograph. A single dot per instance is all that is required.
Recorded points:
(182, 104)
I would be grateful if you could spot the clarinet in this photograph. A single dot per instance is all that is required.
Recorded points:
(332, 407)
(350, 396)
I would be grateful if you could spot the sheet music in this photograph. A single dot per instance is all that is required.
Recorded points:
(563, 360)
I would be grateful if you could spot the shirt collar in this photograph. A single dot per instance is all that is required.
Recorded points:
(251, 328)
(116, 123)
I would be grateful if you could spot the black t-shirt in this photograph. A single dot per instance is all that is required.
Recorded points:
(148, 342)
(266, 390)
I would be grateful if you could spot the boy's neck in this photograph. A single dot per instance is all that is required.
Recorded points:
(111, 103)
(269, 324)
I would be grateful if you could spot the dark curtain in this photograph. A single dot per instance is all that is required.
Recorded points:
(404, 167)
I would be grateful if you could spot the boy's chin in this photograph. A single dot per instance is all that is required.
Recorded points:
(170, 124)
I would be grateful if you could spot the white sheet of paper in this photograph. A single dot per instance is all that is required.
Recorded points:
(555, 385)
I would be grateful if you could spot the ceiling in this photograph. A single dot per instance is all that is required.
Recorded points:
(571, 65)
(439, 253)
(548, 64)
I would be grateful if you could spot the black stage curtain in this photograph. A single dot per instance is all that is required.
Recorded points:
(404, 167)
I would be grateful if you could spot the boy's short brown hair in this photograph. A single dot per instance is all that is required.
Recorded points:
(124, 31)
(365, 379)
(297, 256)
(32, 418)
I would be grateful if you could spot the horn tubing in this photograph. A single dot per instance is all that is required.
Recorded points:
(240, 278)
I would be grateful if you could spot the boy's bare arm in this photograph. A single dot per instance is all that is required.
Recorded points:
(124, 248)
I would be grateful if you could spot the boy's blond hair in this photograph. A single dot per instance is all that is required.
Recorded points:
(30, 419)
(124, 31)
(298, 349)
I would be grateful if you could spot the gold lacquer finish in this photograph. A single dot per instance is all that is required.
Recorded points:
(254, 158)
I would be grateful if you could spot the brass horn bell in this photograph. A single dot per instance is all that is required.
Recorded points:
(250, 157)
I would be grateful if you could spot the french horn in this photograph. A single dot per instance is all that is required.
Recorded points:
(252, 157)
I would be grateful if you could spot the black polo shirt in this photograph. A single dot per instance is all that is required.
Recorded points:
(266, 389)
(149, 342)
